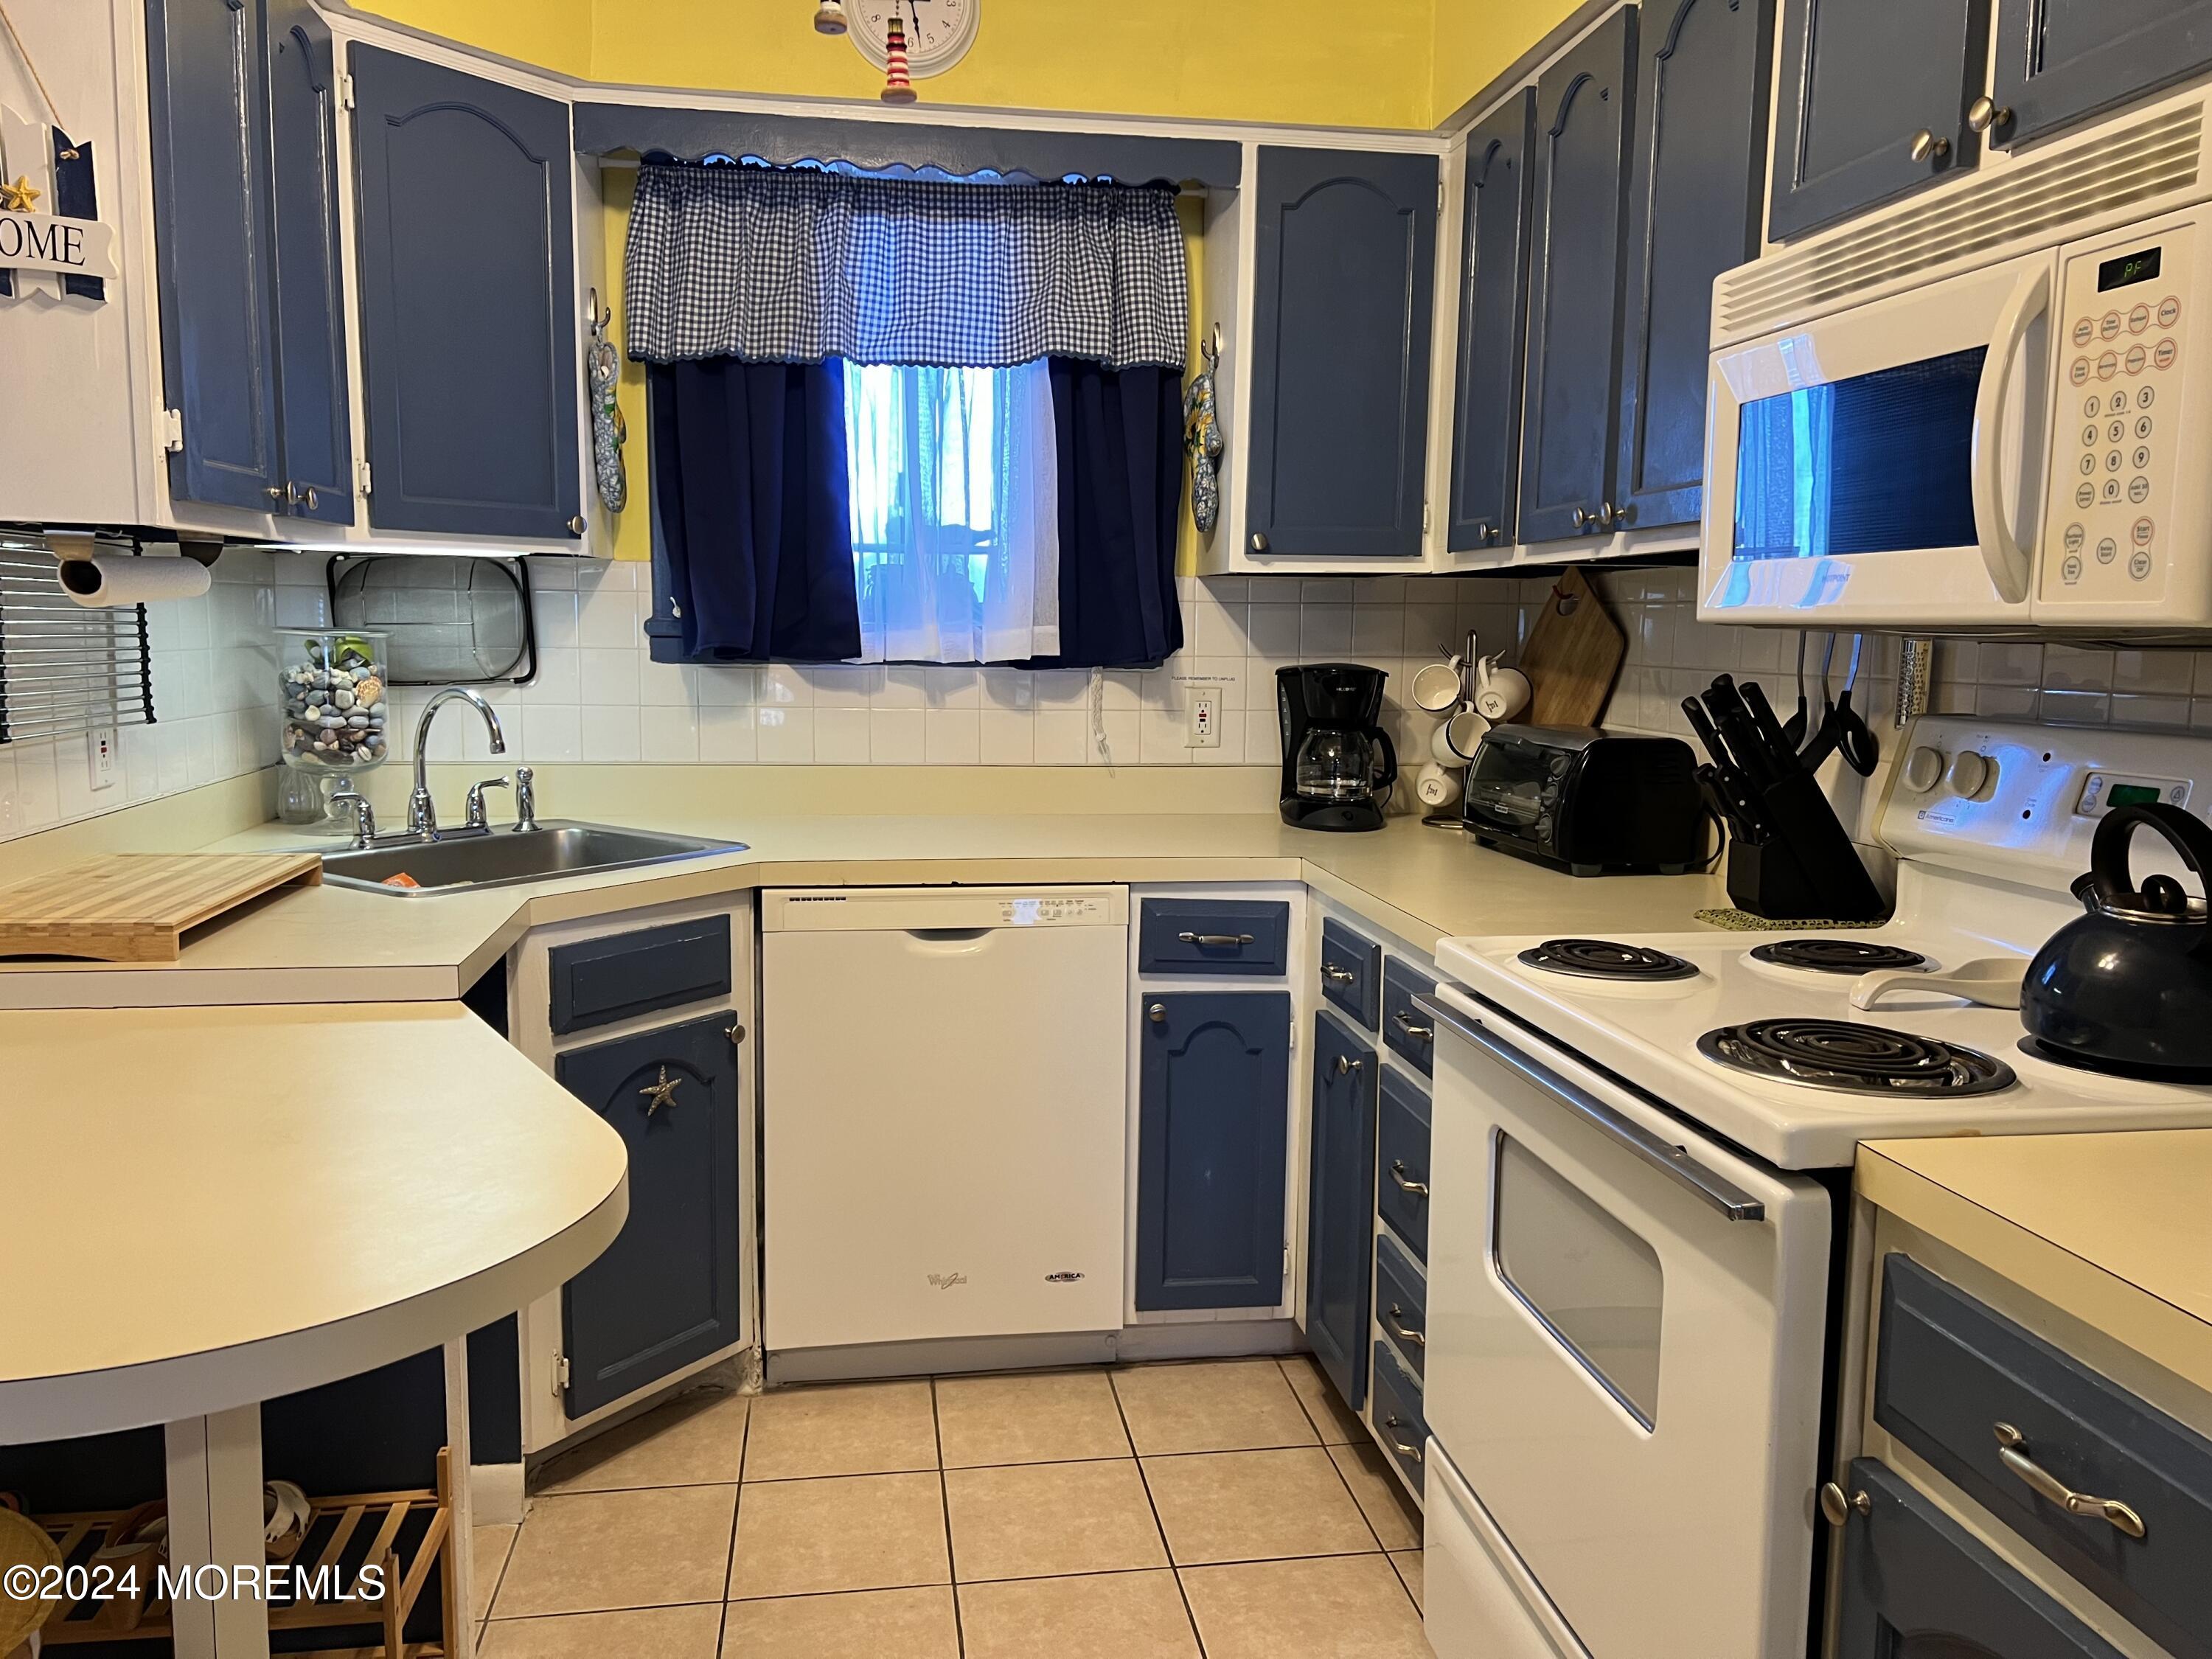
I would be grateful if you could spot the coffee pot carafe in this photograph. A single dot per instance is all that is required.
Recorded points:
(1339, 765)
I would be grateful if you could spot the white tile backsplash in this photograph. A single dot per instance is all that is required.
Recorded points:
(214, 662)
(598, 697)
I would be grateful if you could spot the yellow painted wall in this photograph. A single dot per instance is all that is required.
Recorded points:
(1474, 41)
(1316, 61)
(556, 35)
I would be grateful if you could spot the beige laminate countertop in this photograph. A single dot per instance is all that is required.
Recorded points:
(2114, 1228)
(209, 1207)
(339, 945)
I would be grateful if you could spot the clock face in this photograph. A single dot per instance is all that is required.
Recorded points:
(937, 31)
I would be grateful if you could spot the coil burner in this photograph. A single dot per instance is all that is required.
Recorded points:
(1836, 955)
(1598, 958)
(1855, 1058)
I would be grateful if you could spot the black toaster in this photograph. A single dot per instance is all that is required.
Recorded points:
(1587, 801)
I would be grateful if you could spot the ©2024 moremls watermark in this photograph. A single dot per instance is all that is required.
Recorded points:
(277, 1582)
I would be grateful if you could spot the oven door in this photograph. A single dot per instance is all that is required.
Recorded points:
(1884, 465)
(1625, 1348)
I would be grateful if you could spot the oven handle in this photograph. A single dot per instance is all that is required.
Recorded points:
(1723, 1195)
(2006, 559)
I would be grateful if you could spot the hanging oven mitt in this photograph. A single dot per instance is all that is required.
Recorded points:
(1201, 436)
(602, 371)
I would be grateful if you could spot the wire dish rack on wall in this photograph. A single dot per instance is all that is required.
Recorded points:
(447, 621)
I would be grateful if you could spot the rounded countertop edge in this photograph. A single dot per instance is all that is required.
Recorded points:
(179, 1386)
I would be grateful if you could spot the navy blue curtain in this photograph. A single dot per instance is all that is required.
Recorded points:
(752, 504)
(1120, 437)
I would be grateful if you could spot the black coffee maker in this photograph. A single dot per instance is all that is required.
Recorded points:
(1339, 766)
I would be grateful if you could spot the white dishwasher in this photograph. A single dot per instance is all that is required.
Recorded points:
(943, 1111)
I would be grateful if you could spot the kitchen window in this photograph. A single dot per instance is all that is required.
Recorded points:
(954, 501)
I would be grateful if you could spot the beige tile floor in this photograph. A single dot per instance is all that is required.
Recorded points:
(1212, 1509)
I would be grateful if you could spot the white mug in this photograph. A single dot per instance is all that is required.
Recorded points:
(1436, 687)
(1454, 741)
(1437, 786)
(1499, 693)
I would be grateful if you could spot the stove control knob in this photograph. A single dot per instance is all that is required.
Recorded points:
(1923, 769)
(1972, 776)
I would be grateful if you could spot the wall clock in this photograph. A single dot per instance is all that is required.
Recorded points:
(937, 31)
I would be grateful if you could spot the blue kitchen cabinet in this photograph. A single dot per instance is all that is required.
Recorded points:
(1213, 1100)
(1697, 168)
(1493, 313)
(1871, 102)
(665, 1293)
(469, 348)
(315, 416)
(2059, 61)
(1341, 1205)
(1915, 1582)
(243, 96)
(1346, 249)
(1572, 382)
(211, 237)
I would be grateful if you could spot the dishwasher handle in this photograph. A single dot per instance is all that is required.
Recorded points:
(1716, 1189)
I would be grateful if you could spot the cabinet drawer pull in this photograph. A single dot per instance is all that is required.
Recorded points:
(1215, 941)
(1390, 1426)
(1345, 1065)
(2012, 1448)
(1404, 1022)
(1419, 1339)
(1337, 975)
(1414, 1188)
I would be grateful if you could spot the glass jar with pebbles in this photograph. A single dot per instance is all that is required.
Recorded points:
(331, 700)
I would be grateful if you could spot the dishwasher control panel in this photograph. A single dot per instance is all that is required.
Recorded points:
(862, 909)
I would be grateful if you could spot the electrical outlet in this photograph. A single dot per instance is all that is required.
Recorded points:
(1204, 719)
(104, 765)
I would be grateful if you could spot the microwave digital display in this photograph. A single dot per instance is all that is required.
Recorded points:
(1877, 462)
(2137, 267)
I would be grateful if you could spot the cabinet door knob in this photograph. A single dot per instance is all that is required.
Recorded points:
(576, 525)
(1581, 518)
(1838, 1506)
(1157, 1014)
(1482, 532)
(1259, 543)
(1345, 1065)
(1985, 113)
(736, 1033)
(1927, 147)
(275, 493)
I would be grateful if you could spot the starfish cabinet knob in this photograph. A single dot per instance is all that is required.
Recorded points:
(660, 1094)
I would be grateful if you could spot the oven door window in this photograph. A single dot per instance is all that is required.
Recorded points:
(1594, 1284)
(1880, 463)
(1506, 787)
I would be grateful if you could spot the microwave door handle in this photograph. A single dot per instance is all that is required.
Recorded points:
(2006, 558)
(1676, 1161)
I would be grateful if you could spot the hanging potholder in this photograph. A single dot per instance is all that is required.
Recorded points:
(1201, 436)
(603, 370)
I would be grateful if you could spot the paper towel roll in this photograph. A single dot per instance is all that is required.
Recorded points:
(108, 580)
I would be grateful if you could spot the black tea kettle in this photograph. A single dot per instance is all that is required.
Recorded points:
(2128, 987)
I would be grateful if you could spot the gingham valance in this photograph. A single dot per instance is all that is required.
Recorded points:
(792, 266)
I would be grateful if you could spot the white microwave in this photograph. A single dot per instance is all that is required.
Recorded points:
(2018, 440)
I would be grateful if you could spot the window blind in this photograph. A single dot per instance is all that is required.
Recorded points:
(66, 670)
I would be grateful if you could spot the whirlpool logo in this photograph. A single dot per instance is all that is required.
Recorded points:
(946, 1281)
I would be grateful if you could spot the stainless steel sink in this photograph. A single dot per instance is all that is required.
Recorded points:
(499, 857)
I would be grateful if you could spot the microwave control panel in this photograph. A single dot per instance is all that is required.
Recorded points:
(2122, 325)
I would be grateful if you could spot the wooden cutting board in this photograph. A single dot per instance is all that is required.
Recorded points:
(135, 906)
(1573, 656)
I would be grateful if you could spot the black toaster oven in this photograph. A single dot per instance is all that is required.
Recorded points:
(1587, 801)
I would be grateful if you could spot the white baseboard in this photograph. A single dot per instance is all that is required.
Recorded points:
(494, 1494)
(1212, 1341)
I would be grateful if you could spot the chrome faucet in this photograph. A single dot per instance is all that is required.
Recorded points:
(421, 816)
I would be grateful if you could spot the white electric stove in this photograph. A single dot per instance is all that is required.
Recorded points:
(1639, 1183)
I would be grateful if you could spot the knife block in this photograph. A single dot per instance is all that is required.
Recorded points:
(1807, 870)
